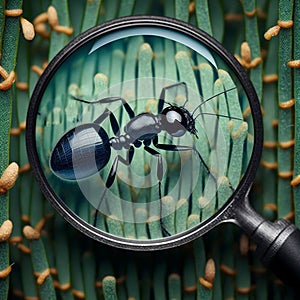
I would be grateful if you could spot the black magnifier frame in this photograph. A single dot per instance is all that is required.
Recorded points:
(235, 210)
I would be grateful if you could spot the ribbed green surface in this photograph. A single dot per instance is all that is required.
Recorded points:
(297, 116)
(9, 30)
(83, 268)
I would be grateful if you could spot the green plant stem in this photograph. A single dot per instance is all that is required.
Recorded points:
(9, 28)
(109, 288)
(182, 10)
(91, 14)
(217, 17)
(174, 286)
(132, 282)
(89, 275)
(269, 103)
(252, 37)
(203, 17)
(159, 275)
(126, 8)
(62, 255)
(189, 278)
(243, 278)
(59, 40)
(228, 263)
(40, 265)
(75, 265)
(297, 112)
(285, 133)
(110, 10)
(28, 280)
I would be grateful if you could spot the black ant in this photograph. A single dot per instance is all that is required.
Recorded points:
(86, 149)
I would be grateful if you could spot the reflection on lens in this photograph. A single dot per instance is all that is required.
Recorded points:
(142, 133)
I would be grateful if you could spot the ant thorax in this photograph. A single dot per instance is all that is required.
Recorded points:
(143, 127)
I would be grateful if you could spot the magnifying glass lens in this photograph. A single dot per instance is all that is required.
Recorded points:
(141, 132)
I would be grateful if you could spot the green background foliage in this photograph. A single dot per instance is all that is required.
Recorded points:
(79, 268)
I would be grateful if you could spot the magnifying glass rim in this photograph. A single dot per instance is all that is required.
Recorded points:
(224, 213)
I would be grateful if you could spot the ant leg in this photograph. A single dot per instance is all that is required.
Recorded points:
(159, 177)
(112, 175)
(179, 148)
(109, 181)
(187, 148)
(113, 121)
(128, 109)
(162, 96)
(104, 115)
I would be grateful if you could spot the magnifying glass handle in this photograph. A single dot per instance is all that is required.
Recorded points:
(281, 254)
(278, 243)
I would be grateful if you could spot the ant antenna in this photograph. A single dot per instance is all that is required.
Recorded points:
(186, 94)
(185, 102)
(216, 95)
(217, 115)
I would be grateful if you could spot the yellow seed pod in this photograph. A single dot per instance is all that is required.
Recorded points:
(31, 233)
(205, 283)
(255, 62)
(3, 72)
(41, 18)
(52, 16)
(285, 24)
(41, 29)
(13, 12)
(244, 244)
(210, 271)
(4, 273)
(5, 230)
(78, 294)
(8, 82)
(9, 177)
(42, 276)
(64, 29)
(273, 31)
(294, 64)
(246, 52)
(24, 249)
(28, 29)
(295, 181)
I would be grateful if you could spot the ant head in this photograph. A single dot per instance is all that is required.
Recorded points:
(177, 120)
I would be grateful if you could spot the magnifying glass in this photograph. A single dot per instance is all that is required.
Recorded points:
(144, 133)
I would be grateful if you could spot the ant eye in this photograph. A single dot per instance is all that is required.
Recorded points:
(174, 121)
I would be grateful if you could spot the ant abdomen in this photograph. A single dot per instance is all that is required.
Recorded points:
(81, 152)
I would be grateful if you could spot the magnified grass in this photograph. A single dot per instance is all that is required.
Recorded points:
(211, 98)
